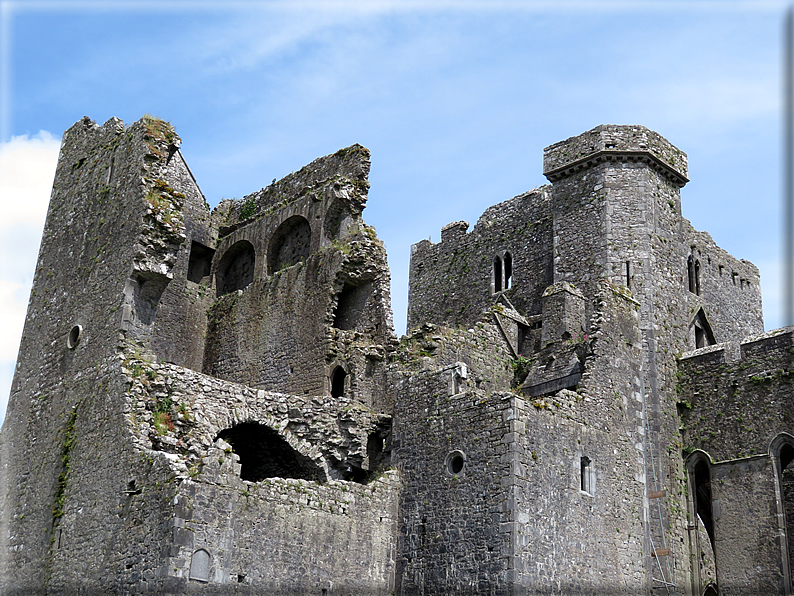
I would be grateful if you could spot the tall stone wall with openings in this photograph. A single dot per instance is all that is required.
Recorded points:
(451, 446)
(302, 286)
(109, 247)
(616, 197)
(508, 252)
(737, 415)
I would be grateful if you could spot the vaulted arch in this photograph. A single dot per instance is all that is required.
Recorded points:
(289, 244)
(235, 270)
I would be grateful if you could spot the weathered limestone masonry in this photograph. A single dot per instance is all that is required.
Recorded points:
(737, 410)
(215, 402)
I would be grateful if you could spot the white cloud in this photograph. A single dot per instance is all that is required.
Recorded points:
(27, 169)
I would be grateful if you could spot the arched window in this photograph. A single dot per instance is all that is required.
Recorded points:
(508, 266)
(693, 274)
(236, 268)
(200, 566)
(497, 274)
(289, 244)
(338, 382)
(701, 328)
(787, 488)
(586, 475)
(698, 467)
(782, 449)
(502, 278)
(703, 510)
(697, 277)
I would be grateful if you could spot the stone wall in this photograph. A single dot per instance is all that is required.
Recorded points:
(108, 250)
(317, 296)
(453, 282)
(736, 410)
(216, 402)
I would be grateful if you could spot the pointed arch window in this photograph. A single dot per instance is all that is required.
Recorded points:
(693, 274)
(701, 331)
(502, 277)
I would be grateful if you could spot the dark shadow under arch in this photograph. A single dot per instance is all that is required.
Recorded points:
(236, 268)
(338, 382)
(266, 454)
(289, 244)
(782, 449)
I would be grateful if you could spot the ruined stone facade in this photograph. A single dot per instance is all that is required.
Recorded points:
(215, 401)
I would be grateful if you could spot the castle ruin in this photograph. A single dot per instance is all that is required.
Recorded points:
(215, 402)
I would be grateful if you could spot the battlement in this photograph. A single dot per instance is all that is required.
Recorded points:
(613, 143)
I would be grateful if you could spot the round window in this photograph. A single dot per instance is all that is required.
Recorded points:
(455, 462)
(74, 336)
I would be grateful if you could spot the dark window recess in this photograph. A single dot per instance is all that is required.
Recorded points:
(700, 337)
(200, 261)
(502, 272)
(236, 268)
(697, 277)
(289, 244)
(628, 274)
(378, 457)
(338, 382)
(693, 274)
(787, 488)
(337, 215)
(351, 307)
(266, 454)
(497, 274)
(586, 482)
(455, 462)
(704, 336)
(703, 498)
(147, 289)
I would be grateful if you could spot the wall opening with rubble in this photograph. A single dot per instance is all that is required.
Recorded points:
(265, 454)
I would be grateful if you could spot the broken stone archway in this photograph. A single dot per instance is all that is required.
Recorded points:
(264, 453)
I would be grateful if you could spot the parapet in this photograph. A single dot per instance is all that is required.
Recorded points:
(613, 143)
(343, 174)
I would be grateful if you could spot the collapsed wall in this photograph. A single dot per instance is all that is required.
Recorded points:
(124, 467)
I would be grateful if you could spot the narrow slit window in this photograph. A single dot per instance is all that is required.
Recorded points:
(628, 274)
(586, 473)
(508, 265)
(697, 277)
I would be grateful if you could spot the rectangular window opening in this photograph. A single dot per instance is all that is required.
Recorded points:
(200, 262)
(586, 475)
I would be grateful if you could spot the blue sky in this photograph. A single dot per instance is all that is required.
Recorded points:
(456, 101)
